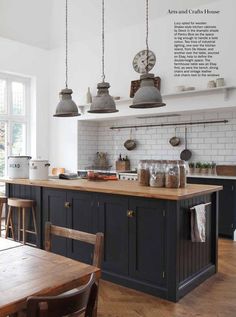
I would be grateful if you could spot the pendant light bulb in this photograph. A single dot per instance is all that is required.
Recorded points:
(147, 96)
(103, 102)
(66, 106)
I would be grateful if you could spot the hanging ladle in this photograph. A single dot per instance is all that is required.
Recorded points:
(130, 144)
(174, 141)
(186, 154)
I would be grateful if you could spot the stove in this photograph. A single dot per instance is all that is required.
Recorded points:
(83, 173)
(129, 175)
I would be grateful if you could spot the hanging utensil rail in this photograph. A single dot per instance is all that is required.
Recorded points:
(168, 124)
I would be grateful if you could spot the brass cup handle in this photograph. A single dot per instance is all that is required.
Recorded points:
(130, 213)
(67, 204)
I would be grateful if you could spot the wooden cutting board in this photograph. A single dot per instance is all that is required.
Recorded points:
(226, 170)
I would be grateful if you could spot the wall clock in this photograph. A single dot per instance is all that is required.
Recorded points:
(140, 61)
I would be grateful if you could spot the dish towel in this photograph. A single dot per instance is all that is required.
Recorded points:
(198, 223)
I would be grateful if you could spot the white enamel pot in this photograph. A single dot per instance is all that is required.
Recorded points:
(18, 166)
(38, 169)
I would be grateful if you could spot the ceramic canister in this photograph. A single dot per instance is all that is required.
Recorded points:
(38, 169)
(18, 166)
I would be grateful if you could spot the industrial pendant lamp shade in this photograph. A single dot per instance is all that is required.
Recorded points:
(66, 106)
(147, 96)
(103, 102)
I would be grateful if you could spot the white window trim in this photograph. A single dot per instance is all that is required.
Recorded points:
(10, 118)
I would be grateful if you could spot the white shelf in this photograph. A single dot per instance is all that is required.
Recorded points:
(224, 89)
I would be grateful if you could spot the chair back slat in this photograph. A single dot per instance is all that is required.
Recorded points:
(95, 239)
(81, 301)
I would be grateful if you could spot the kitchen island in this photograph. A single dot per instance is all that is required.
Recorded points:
(147, 231)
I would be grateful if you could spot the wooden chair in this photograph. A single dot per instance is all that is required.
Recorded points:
(75, 304)
(94, 239)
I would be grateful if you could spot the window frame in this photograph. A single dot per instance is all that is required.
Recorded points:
(10, 118)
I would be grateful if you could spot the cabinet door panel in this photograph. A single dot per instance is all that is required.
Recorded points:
(147, 245)
(82, 218)
(113, 222)
(54, 211)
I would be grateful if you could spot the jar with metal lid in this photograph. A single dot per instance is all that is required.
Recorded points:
(172, 174)
(183, 173)
(157, 174)
(143, 173)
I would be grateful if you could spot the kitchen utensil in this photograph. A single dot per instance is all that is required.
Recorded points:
(130, 144)
(18, 166)
(174, 141)
(38, 169)
(185, 154)
(101, 161)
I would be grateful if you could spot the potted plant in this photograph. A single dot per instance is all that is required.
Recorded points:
(212, 169)
(191, 167)
(198, 167)
(204, 168)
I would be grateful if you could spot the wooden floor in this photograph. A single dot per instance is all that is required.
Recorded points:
(216, 297)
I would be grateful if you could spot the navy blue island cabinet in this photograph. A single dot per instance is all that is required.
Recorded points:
(147, 238)
(227, 202)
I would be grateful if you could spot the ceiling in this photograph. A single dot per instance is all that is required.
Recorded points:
(41, 23)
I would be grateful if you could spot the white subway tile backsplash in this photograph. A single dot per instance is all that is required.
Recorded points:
(207, 143)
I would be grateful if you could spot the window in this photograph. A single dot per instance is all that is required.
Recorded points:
(14, 117)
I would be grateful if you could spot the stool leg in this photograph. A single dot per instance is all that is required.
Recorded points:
(23, 224)
(19, 224)
(34, 221)
(9, 222)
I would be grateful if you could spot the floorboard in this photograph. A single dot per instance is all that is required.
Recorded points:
(216, 297)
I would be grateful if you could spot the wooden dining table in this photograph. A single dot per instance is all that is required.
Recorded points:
(27, 271)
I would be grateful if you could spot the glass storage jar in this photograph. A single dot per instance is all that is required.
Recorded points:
(183, 173)
(172, 174)
(143, 173)
(157, 174)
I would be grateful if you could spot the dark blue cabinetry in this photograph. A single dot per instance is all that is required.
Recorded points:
(147, 243)
(227, 203)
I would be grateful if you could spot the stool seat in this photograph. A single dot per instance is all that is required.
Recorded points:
(21, 206)
(3, 200)
(21, 203)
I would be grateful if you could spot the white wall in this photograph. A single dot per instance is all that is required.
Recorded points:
(31, 62)
(121, 46)
(215, 142)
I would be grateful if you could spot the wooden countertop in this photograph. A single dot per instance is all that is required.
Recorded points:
(121, 187)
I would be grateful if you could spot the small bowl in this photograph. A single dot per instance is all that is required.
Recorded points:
(180, 88)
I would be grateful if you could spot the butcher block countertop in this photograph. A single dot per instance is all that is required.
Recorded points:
(121, 187)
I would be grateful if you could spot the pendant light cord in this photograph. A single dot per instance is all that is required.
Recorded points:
(66, 38)
(147, 47)
(103, 46)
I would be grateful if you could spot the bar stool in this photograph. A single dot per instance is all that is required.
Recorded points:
(21, 205)
(3, 200)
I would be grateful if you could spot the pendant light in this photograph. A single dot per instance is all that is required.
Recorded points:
(66, 107)
(103, 102)
(147, 96)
